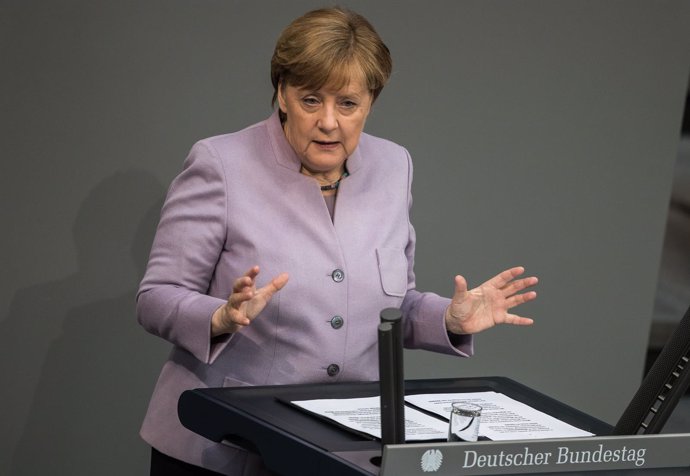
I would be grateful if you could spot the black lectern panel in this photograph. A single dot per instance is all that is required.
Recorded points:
(292, 442)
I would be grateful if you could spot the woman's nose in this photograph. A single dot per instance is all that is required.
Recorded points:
(328, 121)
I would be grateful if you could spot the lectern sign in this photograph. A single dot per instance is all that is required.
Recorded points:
(537, 456)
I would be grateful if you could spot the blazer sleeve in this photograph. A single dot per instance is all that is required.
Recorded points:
(172, 302)
(424, 313)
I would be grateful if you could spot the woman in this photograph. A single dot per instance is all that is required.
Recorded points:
(303, 221)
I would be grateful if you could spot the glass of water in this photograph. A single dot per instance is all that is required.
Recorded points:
(464, 421)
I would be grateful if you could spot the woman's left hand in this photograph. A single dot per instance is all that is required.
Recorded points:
(487, 305)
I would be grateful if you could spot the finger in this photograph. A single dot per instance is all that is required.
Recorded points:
(518, 285)
(252, 272)
(518, 299)
(516, 320)
(246, 281)
(237, 298)
(240, 284)
(240, 321)
(503, 278)
(233, 319)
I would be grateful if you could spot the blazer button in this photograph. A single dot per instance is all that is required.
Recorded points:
(338, 275)
(337, 322)
(333, 370)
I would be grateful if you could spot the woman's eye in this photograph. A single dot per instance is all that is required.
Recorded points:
(348, 104)
(310, 101)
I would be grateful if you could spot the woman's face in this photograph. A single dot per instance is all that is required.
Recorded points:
(324, 126)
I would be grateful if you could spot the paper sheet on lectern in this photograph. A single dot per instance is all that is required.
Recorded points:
(503, 418)
(364, 415)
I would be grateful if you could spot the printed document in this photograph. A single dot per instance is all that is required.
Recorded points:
(364, 415)
(503, 418)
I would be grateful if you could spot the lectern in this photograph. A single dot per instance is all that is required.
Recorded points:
(292, 442)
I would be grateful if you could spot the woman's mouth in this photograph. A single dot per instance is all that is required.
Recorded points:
(326, 145)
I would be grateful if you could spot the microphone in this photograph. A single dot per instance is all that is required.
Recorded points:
(391, 377)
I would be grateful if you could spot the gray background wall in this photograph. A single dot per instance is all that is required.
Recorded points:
(543, 134)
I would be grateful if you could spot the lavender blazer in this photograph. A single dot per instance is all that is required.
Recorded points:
(241, 201)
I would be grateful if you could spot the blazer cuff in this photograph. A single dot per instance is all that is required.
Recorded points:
(182, 318)
(429, 328)
(211, 347)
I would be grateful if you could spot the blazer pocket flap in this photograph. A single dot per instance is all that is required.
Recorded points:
(393, 271)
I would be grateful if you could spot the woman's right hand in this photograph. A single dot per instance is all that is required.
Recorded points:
(245, 303)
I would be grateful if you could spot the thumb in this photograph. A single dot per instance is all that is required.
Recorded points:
(275, 285)
(460, 288)
(280, 281)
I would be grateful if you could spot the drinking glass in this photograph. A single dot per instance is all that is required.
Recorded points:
(464, 421)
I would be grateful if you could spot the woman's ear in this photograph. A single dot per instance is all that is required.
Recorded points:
(281, 97)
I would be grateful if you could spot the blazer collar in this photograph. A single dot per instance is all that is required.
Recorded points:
(285, 154)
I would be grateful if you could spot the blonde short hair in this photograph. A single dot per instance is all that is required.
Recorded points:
(328, 46)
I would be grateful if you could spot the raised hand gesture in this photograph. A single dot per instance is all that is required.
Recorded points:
(488, 304)
(245, 303)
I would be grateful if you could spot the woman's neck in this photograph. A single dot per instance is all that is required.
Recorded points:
(328, 181)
